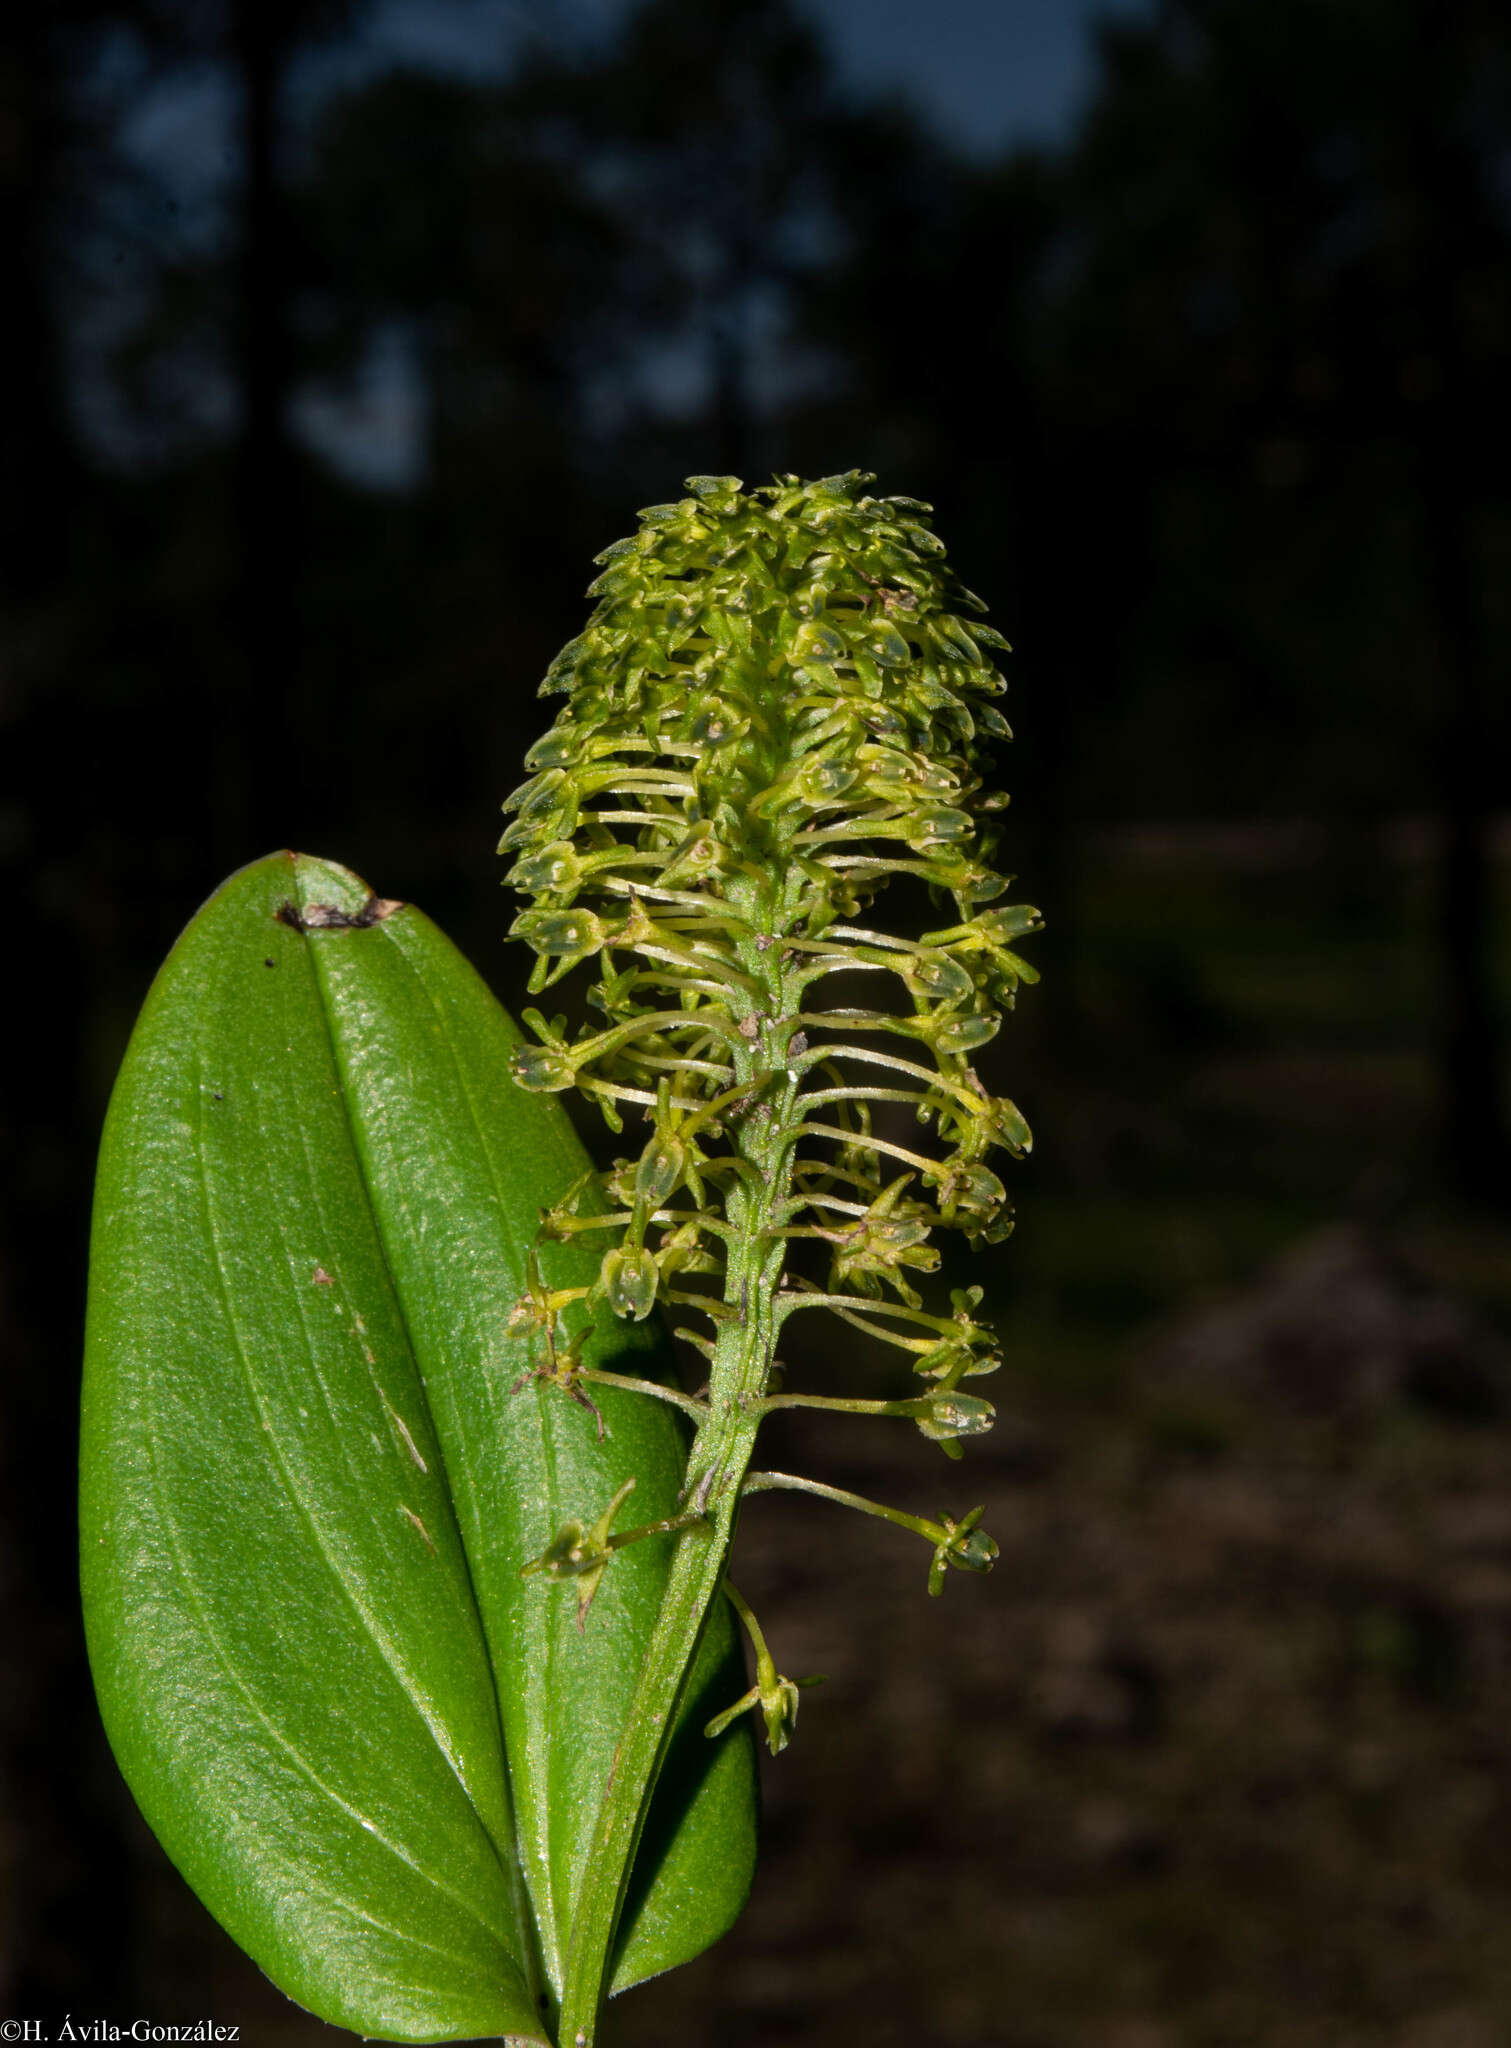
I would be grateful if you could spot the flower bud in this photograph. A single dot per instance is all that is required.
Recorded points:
(700, 854)
(717, 726)
(560, 931)
(543, 1069)
(936, 974)
(661, 1167)
(542, 793)
(963, 1545)
(554, 748)
(823, 779)
(954, 1415)
(815, 640)
(886, 645)
(779, 1704)
(553, 869)
(1009, 1126)
(965, 1034)
(975, 1552)
(682, 1251)
(1012, 921)
(629, 1280)
(944, 827)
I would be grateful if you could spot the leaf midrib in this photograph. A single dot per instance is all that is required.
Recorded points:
(510, 1858)
(545, 1434)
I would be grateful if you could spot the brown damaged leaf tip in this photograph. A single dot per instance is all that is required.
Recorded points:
(329, 917)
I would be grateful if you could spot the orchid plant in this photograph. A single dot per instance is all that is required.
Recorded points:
(376, 1356)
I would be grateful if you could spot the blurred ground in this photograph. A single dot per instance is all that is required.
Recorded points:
(1218, 1755)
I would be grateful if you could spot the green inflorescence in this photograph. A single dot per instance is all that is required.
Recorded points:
(779, 707)
(776, 708)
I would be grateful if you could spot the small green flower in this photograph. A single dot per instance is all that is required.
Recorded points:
(946, 1417)
(581, 1554)
(963, 1545)
(774, 1695)
(629, 1281)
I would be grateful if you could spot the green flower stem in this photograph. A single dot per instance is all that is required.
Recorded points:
(752, 1627)
(911, 1408)
(859, 1094)
(717, 1464)
(720, 1456)
(864, 1141)
(667, 1526)
(788, 1482)
(795, 1299)
(568, 1225)
(930, 1076)
(695, 1408)
(652, 1021)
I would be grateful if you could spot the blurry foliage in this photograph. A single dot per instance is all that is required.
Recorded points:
(1204, 399)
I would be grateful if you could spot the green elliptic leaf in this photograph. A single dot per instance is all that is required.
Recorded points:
(311, 1475)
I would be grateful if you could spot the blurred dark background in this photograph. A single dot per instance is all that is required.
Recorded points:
(337, 336)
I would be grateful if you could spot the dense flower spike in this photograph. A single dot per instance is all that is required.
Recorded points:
(778, 706)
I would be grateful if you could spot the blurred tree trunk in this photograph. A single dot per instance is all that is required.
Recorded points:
(37, 476)
(1470, 1089)
(1037, 491)
(1444, 180)
(258, 766)
(69, 1931)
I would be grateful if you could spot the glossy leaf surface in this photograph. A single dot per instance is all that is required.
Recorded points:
(310, 1479)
